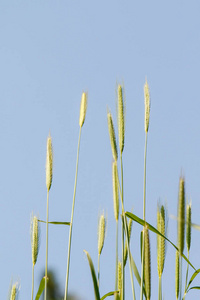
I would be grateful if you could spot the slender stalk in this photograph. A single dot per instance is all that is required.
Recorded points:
(72, 215)
(144, 217)
(160, 288)
(122, 197)
(45, 291)
(98, 269)
(32, 282)
(116, 267)
(186, 276)
(127, 238)
(180, 277)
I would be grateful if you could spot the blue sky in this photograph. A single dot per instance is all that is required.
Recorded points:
(50, 52)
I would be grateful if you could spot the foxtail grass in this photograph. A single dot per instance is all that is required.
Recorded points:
(147, 263)
(34, 245)
(177, 275)
(49, 175)
(111, 131)
(82, 115)
(14, 291)
(181, 225)
(101, 239)
(160, 246)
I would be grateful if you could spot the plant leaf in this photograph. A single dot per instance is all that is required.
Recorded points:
(109, 294)
(143, 223)
(41, 288)
(56, 223)
(94, 278)
(191, 279)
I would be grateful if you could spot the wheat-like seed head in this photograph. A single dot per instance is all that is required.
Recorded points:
(83, 108)
(14, 291)
(188, 225)
(115, 190)
(101, 232)
(121, 118)
(49, 163)
(34, 238)
(181, 214)
(147, 106)
(177, 274)
(112, 136)
(147, 263)
(120, 279)
(130, 222)
(160, 240)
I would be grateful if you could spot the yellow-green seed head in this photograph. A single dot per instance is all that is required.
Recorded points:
(115, 190)
(101, 232)
(112, 136)
(49, 163)
(147, 106)
(120, 279)
(177, 274)
(83, 108)
(160, 240)
(181, 214)
(34, 238)
(188, 225)
(121, 118)
(147, 263)
(14, 291)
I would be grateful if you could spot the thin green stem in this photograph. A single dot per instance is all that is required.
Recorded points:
(144, 217)
(122, 194)
(124, 221)
(186, 279)
(180, 286)
(160, 288)
(32, 282)
(47, 223)
(98, 268)
(116, 266)
(72, 215)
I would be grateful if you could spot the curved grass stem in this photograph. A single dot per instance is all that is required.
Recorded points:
(72, 215)
(32, 282)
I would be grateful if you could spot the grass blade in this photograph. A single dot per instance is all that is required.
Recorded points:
(94, 278)
(109, 294)
(56, 223)
(41, 288)
(150, 227)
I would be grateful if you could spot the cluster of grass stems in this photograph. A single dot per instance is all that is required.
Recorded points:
(123, 218)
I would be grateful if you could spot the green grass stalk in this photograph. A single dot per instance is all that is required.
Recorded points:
(72, 216)
(46, 265)
(116, 260)
(144, 216)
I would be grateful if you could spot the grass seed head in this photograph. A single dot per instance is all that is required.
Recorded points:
(147, 263)
(115, 190)
(120, 279)
(101, 232)
(14, 291)
(188, 225)
(83, 108)
(49, 163)
(160, 240)
(147, 106)
(177, 274)
(112, 136)
(34, 238)
(121, 118)
(181, 214)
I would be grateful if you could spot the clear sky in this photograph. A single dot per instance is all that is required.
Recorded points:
(51, 51)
